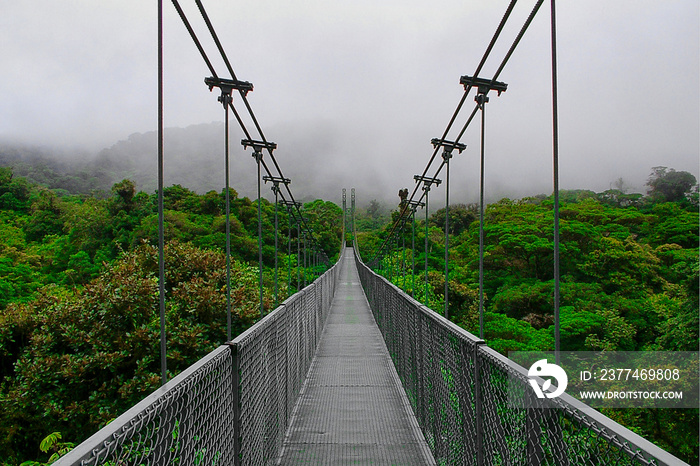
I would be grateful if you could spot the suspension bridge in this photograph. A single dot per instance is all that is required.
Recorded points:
(350, 369)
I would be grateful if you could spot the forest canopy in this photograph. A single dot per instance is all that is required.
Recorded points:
(78, 287)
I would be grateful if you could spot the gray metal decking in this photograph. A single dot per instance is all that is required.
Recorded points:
(353, 409)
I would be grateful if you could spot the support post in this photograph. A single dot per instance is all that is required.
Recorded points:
(352, 215)
(304, 260)
(289, 250)
(481, 99)
(427, 182)
(403, 254)
(276, 189)
(555, 163)
(426, 300)
(298, 254)
(448, 146)
(413, 250)
(258, 147)
(344, 222)
(161, 222)
(414, 205)
(227, 86)
(227, 170)
(483, 87)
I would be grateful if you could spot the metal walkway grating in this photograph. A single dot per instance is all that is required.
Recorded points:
(353, 409)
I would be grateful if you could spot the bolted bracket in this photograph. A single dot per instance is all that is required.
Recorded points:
(481, 99)
(427, 182)
(276, 181)
(258, 147)
(449, 147)
(290, 204)
(415, 204)
(483, 85)
(227, 87)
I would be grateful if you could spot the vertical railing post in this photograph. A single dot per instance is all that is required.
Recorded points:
(277, 191)
(413, 252)
(403, 254)
(446, 156)
(425, 298)
(236, 399)
(478, 404)
(421, 371)
(298, 254)
(258, 159)
(481, 99)
(289, 252)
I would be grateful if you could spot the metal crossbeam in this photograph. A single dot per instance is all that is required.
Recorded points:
(258, 146)
(427, 181)
(276, 180)
(227, 86)
(448, 145)
(483, 85)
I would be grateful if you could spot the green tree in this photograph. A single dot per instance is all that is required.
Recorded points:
(71, 361)
(326, 220)
(668, 185)
(461, 216)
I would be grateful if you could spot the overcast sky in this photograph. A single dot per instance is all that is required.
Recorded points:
(363, 86)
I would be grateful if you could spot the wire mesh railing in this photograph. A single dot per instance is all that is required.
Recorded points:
(232, 407)
(272, 359)
(476, 407)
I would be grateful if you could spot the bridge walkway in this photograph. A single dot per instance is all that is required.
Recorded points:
(353, 409)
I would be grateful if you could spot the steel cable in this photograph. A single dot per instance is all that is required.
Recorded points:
(463, 99)
(238, 117)
(215, 37)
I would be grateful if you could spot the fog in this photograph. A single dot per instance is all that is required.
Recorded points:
(353, 92)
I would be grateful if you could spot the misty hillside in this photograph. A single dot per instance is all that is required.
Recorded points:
(194, 158)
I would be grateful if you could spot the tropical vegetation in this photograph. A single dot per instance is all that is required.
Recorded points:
(79, 328)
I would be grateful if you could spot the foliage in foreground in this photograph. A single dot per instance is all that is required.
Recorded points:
(79, 330)
(73, 360)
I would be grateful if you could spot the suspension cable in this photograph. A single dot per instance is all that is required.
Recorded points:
(183, 17)
(249, 109)
(215, 37)
(463, 99)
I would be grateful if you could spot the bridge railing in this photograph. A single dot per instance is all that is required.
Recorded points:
(233, 406)
(475, 406)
